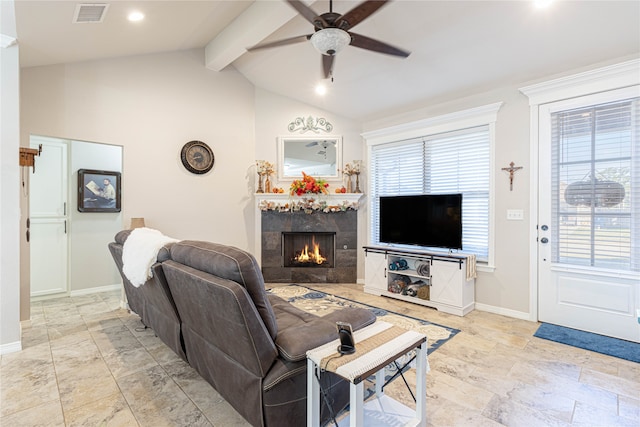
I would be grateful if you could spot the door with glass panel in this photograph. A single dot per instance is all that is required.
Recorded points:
(589, 213)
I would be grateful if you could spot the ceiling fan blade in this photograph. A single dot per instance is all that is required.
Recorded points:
(308, 13)
(311, 144)
(327, 65)
(359, 14)
(364, 42)
(282, 42)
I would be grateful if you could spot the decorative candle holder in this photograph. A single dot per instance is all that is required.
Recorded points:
(357, 190)
(259, 190)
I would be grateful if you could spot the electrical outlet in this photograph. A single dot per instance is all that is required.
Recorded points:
(515, 214)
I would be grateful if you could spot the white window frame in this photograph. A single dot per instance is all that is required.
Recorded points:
(547, 111)
(480, 116)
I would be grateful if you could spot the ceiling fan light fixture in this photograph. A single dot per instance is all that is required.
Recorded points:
(330, 41)
(321, 89)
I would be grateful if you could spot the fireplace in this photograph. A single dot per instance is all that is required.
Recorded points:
(308, 249)
(337, 236)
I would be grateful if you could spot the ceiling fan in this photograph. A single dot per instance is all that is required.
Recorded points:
(323, 147)
(324, 144)
(333, 32)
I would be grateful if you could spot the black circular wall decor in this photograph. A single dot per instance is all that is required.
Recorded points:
(197, 157)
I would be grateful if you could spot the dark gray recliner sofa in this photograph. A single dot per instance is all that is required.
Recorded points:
(152, 301)
(248, 344)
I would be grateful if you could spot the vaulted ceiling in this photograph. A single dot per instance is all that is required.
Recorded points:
(457, 48)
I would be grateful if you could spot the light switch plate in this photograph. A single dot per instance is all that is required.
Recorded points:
(515, 214)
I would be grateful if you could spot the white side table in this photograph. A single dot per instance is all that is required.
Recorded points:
(377, 345)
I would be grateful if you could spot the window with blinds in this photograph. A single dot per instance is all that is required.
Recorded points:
(452, 162)
(596, 186)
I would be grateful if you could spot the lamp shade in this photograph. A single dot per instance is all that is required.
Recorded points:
(137, 223)
(330, 41)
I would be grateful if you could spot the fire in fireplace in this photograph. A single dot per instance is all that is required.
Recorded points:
(308, 249)
(310, 256)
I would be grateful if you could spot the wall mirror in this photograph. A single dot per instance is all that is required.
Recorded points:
(318, 156)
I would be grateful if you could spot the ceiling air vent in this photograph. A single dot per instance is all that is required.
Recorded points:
(90, 13)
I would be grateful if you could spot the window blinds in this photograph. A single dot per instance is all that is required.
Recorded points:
(453, 162)
(595, 154)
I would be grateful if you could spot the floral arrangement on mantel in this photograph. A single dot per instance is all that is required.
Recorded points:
(308, 205)
(352, 169)
(308, 185)
(266, 169)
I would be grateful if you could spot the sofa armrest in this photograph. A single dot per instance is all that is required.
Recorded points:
(358, 318)
(294, 341)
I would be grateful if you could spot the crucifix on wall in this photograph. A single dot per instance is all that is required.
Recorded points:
(512, 170)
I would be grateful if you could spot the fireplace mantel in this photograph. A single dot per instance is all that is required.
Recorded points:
(283, 201)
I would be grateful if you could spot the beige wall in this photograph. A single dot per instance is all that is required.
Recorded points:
(90, 232)
(273, 115)
(505, 286)
(151, 106)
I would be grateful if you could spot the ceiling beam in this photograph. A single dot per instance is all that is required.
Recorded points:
(256, 23)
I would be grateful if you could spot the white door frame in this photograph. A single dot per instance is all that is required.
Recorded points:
(599, 80)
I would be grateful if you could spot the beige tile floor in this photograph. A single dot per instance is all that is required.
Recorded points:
(85, 362)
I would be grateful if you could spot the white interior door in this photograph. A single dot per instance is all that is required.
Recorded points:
(48, 219)
(589, 213)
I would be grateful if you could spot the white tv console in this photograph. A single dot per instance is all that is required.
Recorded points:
(400, 273)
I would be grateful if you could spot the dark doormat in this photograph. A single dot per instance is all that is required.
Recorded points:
(589, 341)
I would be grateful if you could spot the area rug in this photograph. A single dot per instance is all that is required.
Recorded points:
(589, 341)
(321, 303)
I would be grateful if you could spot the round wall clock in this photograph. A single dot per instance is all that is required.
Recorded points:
(197, 157)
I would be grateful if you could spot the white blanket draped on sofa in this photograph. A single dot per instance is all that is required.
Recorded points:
(140, 252)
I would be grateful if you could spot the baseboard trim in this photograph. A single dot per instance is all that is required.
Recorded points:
(11, 347)
(503, 311)
(89, 291)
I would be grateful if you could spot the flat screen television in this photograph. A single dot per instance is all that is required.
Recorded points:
(429, 220)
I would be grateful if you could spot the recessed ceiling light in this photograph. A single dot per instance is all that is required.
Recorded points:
(135, 16)
(542, 4)
(321, 89)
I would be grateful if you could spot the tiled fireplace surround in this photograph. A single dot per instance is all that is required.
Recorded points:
(343, 223)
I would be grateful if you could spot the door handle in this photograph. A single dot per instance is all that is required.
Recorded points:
(544, 240)
(65, 226)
